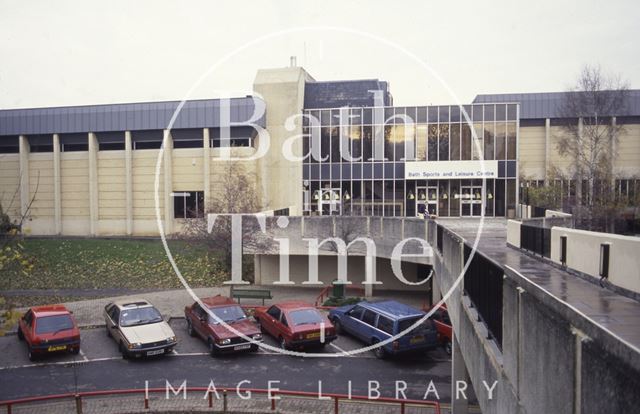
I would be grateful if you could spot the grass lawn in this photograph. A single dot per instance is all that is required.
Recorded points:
(102, 263)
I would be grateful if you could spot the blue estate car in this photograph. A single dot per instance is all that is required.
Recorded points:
(378, 321)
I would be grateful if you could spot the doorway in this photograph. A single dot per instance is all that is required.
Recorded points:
(470, 201)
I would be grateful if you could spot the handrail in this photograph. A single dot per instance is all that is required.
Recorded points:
(224, 391)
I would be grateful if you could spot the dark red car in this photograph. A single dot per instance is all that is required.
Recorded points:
(443, 325)
(296, 325)
(219, 338)
(49, 329)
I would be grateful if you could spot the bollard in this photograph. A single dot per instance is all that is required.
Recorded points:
(224, 401)
(78, 404)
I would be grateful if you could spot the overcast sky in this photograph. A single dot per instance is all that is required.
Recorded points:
(58, 53)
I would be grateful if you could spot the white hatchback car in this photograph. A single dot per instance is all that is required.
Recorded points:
(138, 328)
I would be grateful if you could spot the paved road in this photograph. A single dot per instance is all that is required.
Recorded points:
(99, 366)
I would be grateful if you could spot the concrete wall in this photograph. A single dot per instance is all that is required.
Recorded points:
(10, 184)
(538, 151)
(583, 255)
(281, 180)
(268, 267)
(513, 232)
(553, 359)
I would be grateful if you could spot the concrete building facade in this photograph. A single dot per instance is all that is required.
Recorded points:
(90, 170)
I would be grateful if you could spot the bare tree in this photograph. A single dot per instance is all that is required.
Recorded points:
(236, 193)
(590, 136)
(12, 254)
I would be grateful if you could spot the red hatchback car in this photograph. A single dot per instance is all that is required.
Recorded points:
(443, 325)
(49, 329)
(219, 338)
(296, 325)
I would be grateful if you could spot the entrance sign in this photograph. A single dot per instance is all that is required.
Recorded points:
(449, 170)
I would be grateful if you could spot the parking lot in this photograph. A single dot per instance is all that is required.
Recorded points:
(100, 366)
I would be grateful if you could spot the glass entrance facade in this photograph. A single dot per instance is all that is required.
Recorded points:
(367, 158)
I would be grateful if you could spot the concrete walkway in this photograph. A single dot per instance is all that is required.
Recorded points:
(616, 313)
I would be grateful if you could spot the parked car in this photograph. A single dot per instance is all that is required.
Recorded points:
(219, 338)
(49, 329)
(376, 322)
(443, 325)
(296, 325)
(138, 328)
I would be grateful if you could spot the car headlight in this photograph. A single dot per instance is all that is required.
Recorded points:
(225, 341)
(135, 345)
(171, 339)
(257, 337)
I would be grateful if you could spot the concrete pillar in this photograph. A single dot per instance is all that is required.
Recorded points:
(128, 168)
(547, 146)
(167, 144)
(57, 209)
(436, 295)
(93, 184)
(24, 175)
(370, 262)
(257, 269)
(206, 162)
(459, 376)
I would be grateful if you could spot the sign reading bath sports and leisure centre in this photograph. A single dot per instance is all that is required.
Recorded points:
(443, 170)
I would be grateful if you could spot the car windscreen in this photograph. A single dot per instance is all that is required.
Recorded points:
(305, 317)
(139, 316)
(228, 314)
(408, 322)
(53, 324)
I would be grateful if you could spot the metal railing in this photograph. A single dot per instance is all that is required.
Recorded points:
(536, 239)
(483, 284)
(274, 397)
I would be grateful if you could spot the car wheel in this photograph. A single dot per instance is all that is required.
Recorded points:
(283, 344)
(20, 335)
(190, 330)
(123, 351)
(379, 352)
(212, 348)
(338, 326)
(447, 348)
(32, 357)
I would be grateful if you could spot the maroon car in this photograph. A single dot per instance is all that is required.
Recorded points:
(49, 329)
(219, 338)
(296, 325)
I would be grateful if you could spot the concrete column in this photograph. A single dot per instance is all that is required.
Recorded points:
(168, 181)
(93, 183)
(24, 175)
(206, 162)
(436, 295)
(370, 263)
(547, 146)
(57, 210)
(257, 269)
(128, 162)
(459, 377)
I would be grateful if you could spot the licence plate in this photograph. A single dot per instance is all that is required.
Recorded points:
(417, 339)
(241, 347)
(156, 352)
(57, 348)
(313, 335)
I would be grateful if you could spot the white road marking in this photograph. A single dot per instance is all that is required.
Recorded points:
(343, 351)
(84, 357)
